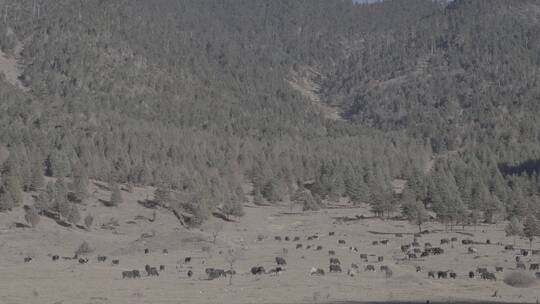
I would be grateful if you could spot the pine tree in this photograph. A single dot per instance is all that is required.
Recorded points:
(73, 216)
(80, 182)
(531, 229)
(31, 216)
(116, 196)
(514, 228)
(6, 203)
(258, 198)
(37, 181)
(42, 202)
(14, 190)
(416, 213)
(162, 195)
(232, 207)
(88, 220)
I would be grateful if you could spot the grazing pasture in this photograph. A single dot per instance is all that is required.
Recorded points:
(163, 262)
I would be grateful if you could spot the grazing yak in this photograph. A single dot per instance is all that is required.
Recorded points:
(275, 271)
(418, 268)
(363, 256)
(287, 238)
(375, 243)
(131, 274)
(444, 241)
(380, 258)
(27, 259)
(151, 271)
(481, 270)
(521, 266)
(331, 252)
(165, 251)
(116, 262)
(161, 267)
(256, 270)
(335, 268)
(299, 246)
(466, 242)
(277, 238)
(498, 269)
(101, 258)
(453, 239)
(442, 274)
(187, 260)
(471, 274)
(331, 233)
(55, 257)
(215, 273)
(341, 242)
(453, 275)
(385, 242)
(189, 273)
(431, 274)
(383, 268)
(355, 266)
(319, 248)
(335, 261)
(83, 261)
(437, 250)
(424, 254)
(369, 268)
(281, 261)
(296, 239)
(472, 250)
(508, 247)
(412, 256)
(316, 271)
(146, 251)
(405, 248)
(353, 249)
(534, 266)
(489, 276)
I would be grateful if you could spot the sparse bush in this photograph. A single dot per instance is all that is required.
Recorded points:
(519, 279)
(84, 248)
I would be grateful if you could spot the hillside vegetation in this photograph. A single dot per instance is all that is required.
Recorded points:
(205, 96)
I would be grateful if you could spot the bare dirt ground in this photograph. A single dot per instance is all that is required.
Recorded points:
(67, 281)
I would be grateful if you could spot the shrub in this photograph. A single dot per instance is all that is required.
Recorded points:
(519, 279)
(84, 248)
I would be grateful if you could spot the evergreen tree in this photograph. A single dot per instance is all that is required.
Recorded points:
(37, 180)
(116, 196)
(80, 182)
(31, 216)
(514, 228)
(73, 215)
(531, 229)
(232, 207)
(416, 213)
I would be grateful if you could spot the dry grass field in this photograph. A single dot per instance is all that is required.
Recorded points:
(66, 281)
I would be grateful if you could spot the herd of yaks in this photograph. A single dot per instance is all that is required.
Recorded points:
(411, 252)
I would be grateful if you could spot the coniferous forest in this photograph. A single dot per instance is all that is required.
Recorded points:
(307, 100)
